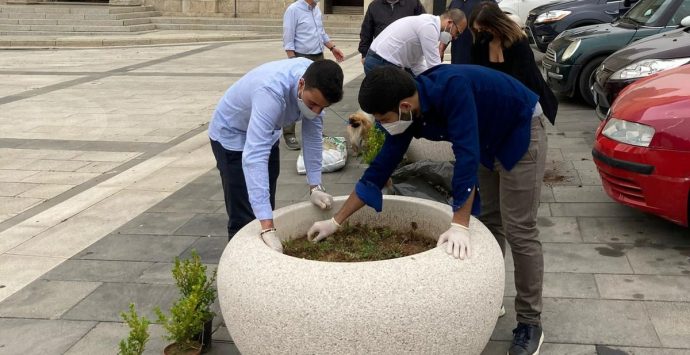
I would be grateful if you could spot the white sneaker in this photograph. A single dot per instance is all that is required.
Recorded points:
(502, 312)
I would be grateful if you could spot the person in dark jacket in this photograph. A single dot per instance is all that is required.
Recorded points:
(462, 46)
(382, 13)
(500, 44)
(492, 121)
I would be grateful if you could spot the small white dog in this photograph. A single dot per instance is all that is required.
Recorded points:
(358, 127)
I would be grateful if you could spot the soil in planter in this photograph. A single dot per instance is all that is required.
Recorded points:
(361, 243)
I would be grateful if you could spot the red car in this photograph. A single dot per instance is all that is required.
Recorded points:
(642, 149)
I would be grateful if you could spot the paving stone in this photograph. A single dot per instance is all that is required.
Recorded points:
(546, 194)
(589, 177)
(176, 204)
(670, 322)
(60, 177)
(625, 350)
(222, 334)
(205, 224)
(108, 300)
(46, 191)
(158, 273)
(46, 299)
(17, 271)
(637, 230)
(209, 249)
(37, 336)
(593, 209)
(559, 230)
(292, 192)
(98, 167)
(580, 194)
(660, 260)
(98, 270)
(561, 173)
(566, 285)
(544, 210)
(585, 258)
(156, 223)
(137, 248)
(105, 337)
(16, 175)
(17, 204)
(56, 165)
(598, 322)
(199, 191)
(644, 287)
(10, 189)
(496, 348)
(219, 348)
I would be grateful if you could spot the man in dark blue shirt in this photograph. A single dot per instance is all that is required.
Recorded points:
(495, 125)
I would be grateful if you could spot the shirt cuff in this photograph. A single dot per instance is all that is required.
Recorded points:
(370, 194)
(263, 212)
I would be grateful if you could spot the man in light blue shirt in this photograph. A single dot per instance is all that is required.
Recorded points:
(246, 128)
(304, 36)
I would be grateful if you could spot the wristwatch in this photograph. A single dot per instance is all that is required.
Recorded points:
(318, 187)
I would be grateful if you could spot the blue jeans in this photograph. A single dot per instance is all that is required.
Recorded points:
(373, 60)
(229, 164)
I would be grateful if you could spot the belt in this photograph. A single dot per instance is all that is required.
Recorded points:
(378, 57)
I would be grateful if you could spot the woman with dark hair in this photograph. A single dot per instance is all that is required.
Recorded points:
(500, 44)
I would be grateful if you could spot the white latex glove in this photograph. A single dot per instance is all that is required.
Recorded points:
(322, 229)
(321, 199)
(458, 239)
(271, 239)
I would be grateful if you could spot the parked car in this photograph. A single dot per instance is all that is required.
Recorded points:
(642, 149)
(546, 22)
(572, 59)
(638, 60)
(520, 9)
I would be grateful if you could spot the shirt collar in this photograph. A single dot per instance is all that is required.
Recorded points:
(400, 2)
(306, 6)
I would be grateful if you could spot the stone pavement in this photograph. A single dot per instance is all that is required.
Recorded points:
(106, 175)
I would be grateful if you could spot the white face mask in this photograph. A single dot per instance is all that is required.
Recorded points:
(304, 109)
(398, 126)
(445, 36)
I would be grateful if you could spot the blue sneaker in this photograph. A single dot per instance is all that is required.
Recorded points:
(527, 340)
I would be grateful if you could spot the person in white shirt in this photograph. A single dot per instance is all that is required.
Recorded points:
(412, 42)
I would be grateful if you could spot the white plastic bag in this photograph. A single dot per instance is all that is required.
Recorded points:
(334, 156)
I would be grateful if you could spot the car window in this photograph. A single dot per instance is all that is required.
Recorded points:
(647, 12)
(682, 12)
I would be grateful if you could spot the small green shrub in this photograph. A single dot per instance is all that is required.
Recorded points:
(190, 274)
(185, 320)
(373, 145)
(138, 333)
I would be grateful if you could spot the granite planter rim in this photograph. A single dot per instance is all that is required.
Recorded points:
(419, 303)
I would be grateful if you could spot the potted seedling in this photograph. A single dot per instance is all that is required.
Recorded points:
(138, 333)
(190, 274)
(184, 323)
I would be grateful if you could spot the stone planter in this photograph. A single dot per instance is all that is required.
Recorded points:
(420, 304)
(424, 149)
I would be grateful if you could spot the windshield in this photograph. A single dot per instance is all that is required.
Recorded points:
(647, 12)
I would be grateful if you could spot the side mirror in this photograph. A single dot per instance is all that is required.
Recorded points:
(685, 22)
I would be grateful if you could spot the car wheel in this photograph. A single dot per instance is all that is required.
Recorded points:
(586, 80)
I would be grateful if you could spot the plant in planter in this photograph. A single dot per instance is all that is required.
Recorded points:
(138, 333)
(184, 323)
(190, 275)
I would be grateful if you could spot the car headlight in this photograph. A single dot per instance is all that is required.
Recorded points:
(552, 16)
(628, 132)
(572, 48)
(647, 67)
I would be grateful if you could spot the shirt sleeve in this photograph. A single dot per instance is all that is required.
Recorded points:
(369, 186)
(463, 130)
(366, 34)
(267, 106)
(289, 26)
(428, 37)
(312, 139)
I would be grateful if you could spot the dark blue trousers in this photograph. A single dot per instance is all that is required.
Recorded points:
(229, 164)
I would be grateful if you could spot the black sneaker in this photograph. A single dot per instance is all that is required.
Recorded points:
(291, 142)
(527, 339)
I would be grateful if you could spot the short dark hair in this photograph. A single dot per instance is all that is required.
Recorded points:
(326, 76)
(383, 88)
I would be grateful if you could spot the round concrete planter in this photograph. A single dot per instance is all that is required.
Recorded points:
(421, 304)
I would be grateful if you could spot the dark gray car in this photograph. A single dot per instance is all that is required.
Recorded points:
(638, 60)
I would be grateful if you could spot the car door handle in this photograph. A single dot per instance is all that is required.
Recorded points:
(612, 13)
